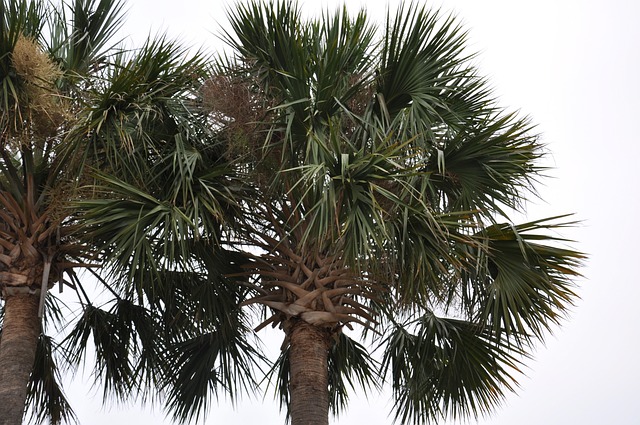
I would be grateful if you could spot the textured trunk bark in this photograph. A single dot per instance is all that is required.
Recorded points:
(309, 388)
(17, 353)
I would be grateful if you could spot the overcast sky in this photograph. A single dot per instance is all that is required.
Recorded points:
(572, 66)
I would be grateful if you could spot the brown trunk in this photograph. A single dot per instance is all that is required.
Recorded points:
(309, 388)
(17, 353)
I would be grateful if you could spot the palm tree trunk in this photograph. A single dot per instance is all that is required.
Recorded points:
(309, 389)
(17, 353)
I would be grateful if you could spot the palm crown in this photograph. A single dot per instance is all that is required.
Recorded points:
(382, 175)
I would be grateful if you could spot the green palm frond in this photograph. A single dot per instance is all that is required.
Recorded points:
(425, 255)
(487, 167)
(129, 348)
(272, 36)
(533, 285)
(135, 228)
(442, 368)
(425, 74)
(342, 47)
(45, 397)
(191, 342)
(202, 291)
(159, 163)
(305, 71)
(128, 344)
(146, 98)
(111, 337)
(208, 341)
(21, 17)
(146, 348)
(351, 367)
(81, 35)
(204, 364)
(55, 315)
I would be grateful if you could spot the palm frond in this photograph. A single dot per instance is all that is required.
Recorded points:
(45, 398)
(425, 73)
(202, 365)
(82, 33)
(533, 285)
(133, 227)
(20, 17)
(488, 167)
(56, 313)
(341, 60)
(351, 367)
(135, 108)
(111, 338)
(441, 368)
(146, 346)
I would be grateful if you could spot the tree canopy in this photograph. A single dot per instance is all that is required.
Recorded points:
(350, 182)
(90, 123)
(384, 176)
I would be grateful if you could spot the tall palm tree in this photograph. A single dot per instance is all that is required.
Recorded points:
(383, 175)
(84, 121)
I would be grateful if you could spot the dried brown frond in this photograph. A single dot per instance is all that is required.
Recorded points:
(237, 111)
(362, 99)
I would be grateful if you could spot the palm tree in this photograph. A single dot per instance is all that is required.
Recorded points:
(84, 121)
(382, 176)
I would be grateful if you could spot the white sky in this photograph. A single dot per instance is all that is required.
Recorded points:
(572, 66)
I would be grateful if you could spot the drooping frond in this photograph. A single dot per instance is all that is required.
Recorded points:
(442, 368)
(111, 337)
(206, 363)
(532, 287)
(351, 367)
(45, 397)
